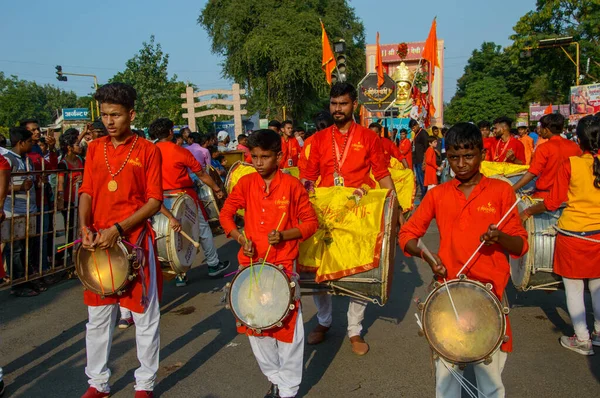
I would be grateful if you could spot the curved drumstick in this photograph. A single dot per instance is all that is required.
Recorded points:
(192, 241)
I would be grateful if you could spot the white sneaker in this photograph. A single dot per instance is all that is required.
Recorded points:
(573, 344)
(596, 338)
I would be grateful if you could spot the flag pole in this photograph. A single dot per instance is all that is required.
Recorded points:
(334, 60)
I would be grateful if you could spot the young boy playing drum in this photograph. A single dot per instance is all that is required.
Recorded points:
(271, 198)
(467, 210)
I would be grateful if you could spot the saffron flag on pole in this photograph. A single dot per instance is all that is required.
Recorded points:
(548, 110)
(430, 54)
(328, 62)
(379, 64)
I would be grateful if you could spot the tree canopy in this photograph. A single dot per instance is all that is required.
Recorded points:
(273, 49)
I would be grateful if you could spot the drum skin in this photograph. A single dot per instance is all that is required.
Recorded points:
(479, 330)
(261, 297)
(172, 247)
(105, 272)
(211, 203)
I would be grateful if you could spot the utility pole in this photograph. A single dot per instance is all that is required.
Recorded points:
(62, 77)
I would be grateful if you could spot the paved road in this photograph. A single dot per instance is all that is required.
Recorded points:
(42, 347)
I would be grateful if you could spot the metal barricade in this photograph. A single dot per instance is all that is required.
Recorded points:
(33, 237)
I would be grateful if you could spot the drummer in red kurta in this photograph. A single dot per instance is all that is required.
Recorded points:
(467, 210)
(548, 158)
(270, 198)
(390, 150)
(121, 190)
(506, 148)
(577, 184)
(290, 147)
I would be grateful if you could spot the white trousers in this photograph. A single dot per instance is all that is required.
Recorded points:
(356, 313)
(281, 362)
(125, 313)
(489, 378)
(99, 335)
(207, 242)
(574, 290)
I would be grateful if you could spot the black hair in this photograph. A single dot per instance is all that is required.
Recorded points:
(161, 128)
(198, 138)
(298, 129)
(464, 136)
(117, 93)
(176, 136)
(139, 132)
(435, 128)
(484, 124)
(431, 138)
(66, 140)
(286, 122)
(2, 141)
(412, 123)
(42, 140)
(323, 120)
(213, 149)
(403, 131)
(386, 132)
(71, 131)
(275, 123)
(184, 129)
(98, 125)
(444, 131)
(309, 133)
(340, 89)
(588, 133)
(241, 137)
(376, 125)
(555, 122)
(267, 140)
(504, 120)
(25, 122)
(18, 134)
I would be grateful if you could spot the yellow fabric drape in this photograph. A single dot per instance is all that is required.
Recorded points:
(404, 181)
(502, 168)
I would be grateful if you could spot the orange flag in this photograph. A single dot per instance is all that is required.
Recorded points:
(548, 110)
(379, 64)
(328, 62)
(430, 54)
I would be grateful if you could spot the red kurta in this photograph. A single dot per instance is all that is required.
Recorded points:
(390, 150)
(405, 148)
(488, 145)
(263, 212)
(547, 160)
(430, 167)
(364, 154)
(139, 181)
(461, 221)
(305, 153)
(501, 148)
(291, 152)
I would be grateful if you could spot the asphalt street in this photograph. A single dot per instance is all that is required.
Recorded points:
(42, 346)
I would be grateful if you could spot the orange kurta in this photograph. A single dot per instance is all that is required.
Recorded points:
(461, 221)
(430, 167)
(291, 152)
(547, 160)
(500, 150)
(527, 142)
(263, 212)
(139, 181)
(488, 145)
(364, 155)
(405, 148)
(305, 154)
(390, 150)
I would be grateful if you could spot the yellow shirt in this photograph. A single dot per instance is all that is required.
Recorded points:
(582, 213)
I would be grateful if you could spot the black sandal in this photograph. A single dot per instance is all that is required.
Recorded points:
(24, 292)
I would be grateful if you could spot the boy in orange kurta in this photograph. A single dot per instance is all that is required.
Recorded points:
(431, 167)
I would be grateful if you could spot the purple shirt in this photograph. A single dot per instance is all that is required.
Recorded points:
(201, 154)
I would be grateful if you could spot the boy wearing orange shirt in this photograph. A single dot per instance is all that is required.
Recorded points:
(289, 146)
(431, 167)
(467, 210)
(405, 148)
(266, 196)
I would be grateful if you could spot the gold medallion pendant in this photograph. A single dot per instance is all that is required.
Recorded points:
(112, 186)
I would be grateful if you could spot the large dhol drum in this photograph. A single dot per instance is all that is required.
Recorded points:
(478, 331)
(106, 272)
(212, 204)
(375, 284)
(172, 247)
(261, 297)
(534, 271)
(237, 171)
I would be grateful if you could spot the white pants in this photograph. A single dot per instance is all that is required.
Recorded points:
(99, 334)
(489, 378)
(356, 313)
(207, 242)
(281, 362)
(125, 313)
(574, 289)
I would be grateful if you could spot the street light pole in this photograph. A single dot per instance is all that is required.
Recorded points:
(85, 75)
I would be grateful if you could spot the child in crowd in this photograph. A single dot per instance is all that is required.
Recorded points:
(215, 161)
(431, 167)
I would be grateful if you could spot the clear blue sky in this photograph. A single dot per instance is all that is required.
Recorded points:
(98, 38)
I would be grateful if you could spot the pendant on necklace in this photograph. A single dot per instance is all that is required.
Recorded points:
(112, 186)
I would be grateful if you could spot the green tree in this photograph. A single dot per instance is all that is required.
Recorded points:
(273, 49)
(157, 94)
(483, 99)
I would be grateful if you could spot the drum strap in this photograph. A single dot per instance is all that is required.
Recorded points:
(580, 235)
(141, 259)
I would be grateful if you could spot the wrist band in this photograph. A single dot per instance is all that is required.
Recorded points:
(121, 232)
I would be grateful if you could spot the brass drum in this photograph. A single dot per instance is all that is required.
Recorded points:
(106, 272)
(211, 203)
(261, 303)
(479, 330)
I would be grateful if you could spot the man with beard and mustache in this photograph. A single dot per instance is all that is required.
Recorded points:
(344, 155)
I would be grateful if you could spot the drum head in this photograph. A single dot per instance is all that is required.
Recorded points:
(237, 171)
(480, 327)
(260, 303)
(103, 272)
(180, 251)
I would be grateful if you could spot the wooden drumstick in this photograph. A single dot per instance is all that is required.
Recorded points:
(192, 241)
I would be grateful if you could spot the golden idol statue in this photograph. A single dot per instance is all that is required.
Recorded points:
(403, 78)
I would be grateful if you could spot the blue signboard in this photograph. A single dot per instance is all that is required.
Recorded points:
(76, 114)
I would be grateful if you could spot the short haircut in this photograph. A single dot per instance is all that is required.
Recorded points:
(241, 137)
(484, 124)
(2, 141)
(67, 140)
(286, 122)
(117, 93)
(25, 122)
(71, 131)
(275, 123)
(376, 125)
(139, 132)
(412, 123)
(435, 128)
(185, 129)
(198, 138)
(161, 128)
(18, 134)
(298, 129)
(431, 138)
(504, 120)
(213, 149)
(403, 131)
(176, 136)
(342, 88)
(553, 122)
(267, 140)
(464, 136)
(98, 125)
(444, 131)
(323, 120)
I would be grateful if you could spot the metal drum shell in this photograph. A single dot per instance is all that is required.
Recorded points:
(124, 270)
(290, 304)
(497, 304)
(211, 203)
